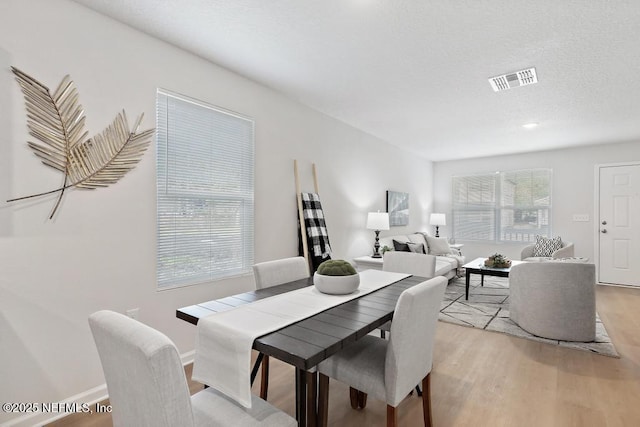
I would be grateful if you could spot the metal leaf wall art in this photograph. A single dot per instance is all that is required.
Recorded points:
(57, 120)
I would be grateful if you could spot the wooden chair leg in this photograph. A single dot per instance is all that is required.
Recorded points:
(392, 416)
(312, 398)
(353, 397)
(323, 400)
(426, 400)
(256, 367)
(362, 399)
(264, 378)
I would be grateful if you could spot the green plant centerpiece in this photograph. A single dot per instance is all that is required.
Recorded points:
(497, 261)
(336, 277)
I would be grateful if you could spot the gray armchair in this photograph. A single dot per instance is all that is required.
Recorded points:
(555, 300)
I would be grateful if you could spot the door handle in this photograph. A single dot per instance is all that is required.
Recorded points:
(604, 230)
(604, 222)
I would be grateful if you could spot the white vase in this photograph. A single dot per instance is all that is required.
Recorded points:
(336, 285)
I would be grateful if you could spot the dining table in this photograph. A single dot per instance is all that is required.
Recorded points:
(307, 342)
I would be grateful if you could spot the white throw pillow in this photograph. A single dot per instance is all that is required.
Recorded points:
(417, 248)
(438, 245)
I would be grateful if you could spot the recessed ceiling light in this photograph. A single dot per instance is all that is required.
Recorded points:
(530, 125)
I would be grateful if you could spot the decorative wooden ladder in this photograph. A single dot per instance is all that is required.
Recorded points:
(303, 228)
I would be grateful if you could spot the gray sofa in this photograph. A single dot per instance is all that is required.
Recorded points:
(555, 300)
(448, 260)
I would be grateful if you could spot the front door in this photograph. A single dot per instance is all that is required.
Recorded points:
(619, 224)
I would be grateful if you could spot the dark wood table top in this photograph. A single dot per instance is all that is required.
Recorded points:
(306, 343)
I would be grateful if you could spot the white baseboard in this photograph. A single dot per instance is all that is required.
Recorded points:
(187, 357)
(90, 397)
(617, 285)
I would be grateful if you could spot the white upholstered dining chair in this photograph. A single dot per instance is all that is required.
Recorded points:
(389, 369)
(277, 272)
(147, 384)
(409, 263)
(273, 273)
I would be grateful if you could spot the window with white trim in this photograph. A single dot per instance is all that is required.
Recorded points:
(509, 206)
(205, 169)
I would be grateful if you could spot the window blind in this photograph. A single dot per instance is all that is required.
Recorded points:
(503, 206)
(474, 207)
(205, 184)
(525, 204)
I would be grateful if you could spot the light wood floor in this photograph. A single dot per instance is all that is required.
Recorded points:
(484, 378)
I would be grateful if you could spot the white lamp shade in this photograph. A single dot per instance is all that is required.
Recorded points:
(438, 219)
(378, 221)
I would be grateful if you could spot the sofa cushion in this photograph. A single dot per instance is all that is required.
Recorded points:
(418, 238)
(438, 245)
(452, 261)
(545, 247)
(416, 247)
(388, 240)
(537, 259)
(400, 246)
(443, 267)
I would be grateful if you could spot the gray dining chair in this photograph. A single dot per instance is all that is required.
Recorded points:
(389, 369)
(409, 263)
(273, 273)
(147, 384)
(277, 272)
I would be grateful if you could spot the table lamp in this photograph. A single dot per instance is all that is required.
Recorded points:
(377, 221)
(437, 219)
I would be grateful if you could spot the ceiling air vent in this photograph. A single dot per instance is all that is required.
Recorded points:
(519, 78)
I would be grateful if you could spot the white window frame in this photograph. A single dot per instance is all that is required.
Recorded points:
(205, 192)
(489, 193)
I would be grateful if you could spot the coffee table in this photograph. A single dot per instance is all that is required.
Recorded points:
(477, 267)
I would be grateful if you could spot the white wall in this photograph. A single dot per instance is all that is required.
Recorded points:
(5, 145)
(573, 191)
(99, 252)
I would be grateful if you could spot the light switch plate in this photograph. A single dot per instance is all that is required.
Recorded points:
(581, 217)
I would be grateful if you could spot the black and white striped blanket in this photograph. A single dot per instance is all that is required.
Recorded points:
(317, 236)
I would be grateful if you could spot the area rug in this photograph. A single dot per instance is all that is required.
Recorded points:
(488, 308)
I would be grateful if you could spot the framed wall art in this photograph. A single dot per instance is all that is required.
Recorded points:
(398, 208)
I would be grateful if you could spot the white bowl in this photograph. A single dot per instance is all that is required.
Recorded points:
(336, 285)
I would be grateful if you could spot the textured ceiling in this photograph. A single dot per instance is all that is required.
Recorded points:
(414, 72)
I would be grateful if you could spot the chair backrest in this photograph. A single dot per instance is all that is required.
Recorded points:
(554, 300)
(410, 263)
(145, 379)
(410, 349)
(566, 250)
(272, 273)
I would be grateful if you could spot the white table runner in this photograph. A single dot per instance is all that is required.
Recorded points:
(224, 340)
